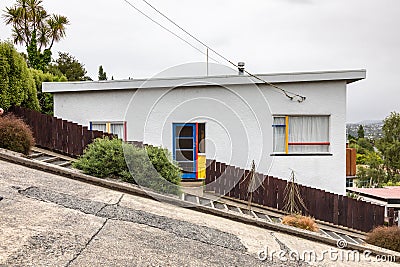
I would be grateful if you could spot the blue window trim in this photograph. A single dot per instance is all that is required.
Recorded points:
(193, 137)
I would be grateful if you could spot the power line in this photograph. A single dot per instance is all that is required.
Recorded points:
(288, 94)
(301, 98)
(168, 30)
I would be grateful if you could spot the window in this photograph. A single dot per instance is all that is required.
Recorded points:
(201, 137)
(349, 182)
(117, 128)
(300, 134)
(99, 127)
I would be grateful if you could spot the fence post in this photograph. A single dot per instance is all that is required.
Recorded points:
(223, 179)
(335, 209)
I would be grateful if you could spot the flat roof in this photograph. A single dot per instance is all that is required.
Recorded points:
(277, 78)
(389, 192)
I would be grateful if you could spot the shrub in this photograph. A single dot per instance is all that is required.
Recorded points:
(300, 221)
(15, 135)
(45, 99)
(103, 158)
(17, 86)
(152, 168)
(148, 167)
(161, 159)
(385, 237)
(352, 195)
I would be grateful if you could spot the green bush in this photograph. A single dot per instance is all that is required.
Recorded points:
(148, 167)
(391, 183)
(103, 158)
(17, 86)
(15, 135)
(45, 99)
(385, 237)
(161, 159)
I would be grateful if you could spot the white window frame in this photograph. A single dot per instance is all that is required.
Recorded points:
(108, 127)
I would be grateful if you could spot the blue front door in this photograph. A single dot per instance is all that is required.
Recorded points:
(184, 148)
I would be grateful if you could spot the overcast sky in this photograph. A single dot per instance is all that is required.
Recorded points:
(269, 35)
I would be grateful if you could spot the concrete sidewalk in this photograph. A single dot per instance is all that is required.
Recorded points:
(49, 220)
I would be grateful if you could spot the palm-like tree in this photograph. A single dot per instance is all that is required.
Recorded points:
(57, 28)
(17, 17)
(36, 12)
(28, 18)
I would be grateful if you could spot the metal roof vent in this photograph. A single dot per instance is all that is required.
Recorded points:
(241, 68)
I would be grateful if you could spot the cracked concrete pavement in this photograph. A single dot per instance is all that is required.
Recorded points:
(116, 212)
(48, 220)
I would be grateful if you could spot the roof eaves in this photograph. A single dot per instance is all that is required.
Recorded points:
(348, 75)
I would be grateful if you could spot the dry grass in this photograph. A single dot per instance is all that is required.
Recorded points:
(300, 221)
(385, 237)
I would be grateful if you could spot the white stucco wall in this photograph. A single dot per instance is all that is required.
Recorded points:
(329, 171)
(238, 122)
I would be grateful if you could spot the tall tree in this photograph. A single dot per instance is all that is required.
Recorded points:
(102, 74)
(37, 30)
(17, 86)
(45, 99)
(360, 132)
(372, 173)
(389, 145)
(70, 67)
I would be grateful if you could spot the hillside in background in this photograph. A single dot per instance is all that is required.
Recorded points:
(372, 129)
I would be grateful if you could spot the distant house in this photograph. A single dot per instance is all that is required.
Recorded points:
(231, 118)
(387, 196)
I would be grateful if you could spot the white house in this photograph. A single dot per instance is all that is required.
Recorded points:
(231, 118)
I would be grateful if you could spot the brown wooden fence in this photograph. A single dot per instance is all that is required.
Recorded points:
(71, 139)
(56, 134)
(325, 206)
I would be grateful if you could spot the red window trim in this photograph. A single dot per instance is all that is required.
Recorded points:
(125, 132)
(309, 143)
